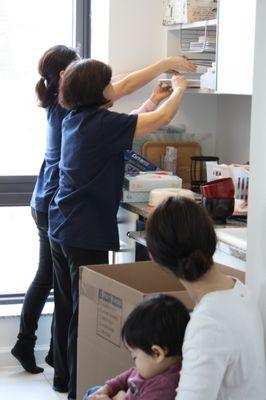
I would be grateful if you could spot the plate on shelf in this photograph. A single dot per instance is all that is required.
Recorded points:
(191, 83)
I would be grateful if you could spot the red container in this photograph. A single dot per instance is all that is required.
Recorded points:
(218, 189)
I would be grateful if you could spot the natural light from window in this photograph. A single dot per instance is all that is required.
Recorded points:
(27, 29)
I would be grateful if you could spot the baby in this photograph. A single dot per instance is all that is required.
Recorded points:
(153, 333)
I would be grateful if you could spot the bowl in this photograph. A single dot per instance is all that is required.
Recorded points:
(218, 189)
(219, 209)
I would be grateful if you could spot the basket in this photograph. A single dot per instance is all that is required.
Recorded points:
(238, 173)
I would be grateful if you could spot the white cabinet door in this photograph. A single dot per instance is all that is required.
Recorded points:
(236, 37)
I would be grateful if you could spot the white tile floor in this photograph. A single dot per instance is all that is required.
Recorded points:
(16, 384)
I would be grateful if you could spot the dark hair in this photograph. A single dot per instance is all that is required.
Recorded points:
(180, 236)
(83, 83)
(53, 61)
(159, 320)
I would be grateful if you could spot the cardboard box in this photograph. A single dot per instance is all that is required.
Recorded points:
(186, 11)
(108, 293)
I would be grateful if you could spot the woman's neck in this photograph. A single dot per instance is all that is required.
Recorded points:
(212, 281)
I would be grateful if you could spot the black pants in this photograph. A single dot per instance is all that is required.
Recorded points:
(67, 261)
(41, 285)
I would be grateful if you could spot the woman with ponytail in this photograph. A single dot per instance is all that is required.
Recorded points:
(51, 66)
(54, 60)
(223, 350)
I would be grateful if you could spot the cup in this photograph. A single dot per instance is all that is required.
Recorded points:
(218, 189)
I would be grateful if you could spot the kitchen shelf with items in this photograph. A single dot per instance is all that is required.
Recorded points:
(197, 42)
(191, 29)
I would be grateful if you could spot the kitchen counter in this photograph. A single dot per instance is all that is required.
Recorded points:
(232, 237)
(141, 209)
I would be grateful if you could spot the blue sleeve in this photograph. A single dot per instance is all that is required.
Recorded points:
(121, 129)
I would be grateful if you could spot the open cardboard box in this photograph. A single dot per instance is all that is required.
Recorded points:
(108, 293)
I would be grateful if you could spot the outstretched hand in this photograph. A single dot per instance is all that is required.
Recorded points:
(160, 93)
(179, 64)
(179, 82)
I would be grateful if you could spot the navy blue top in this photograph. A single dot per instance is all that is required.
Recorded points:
(83, 211)
(47, 181)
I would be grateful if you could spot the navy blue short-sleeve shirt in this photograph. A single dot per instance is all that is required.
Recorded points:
(47, 181)
(83, 211)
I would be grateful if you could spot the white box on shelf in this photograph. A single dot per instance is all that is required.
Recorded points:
(135, 197)
(149, 181)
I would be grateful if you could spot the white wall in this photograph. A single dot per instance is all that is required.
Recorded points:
(136, 39)
(256, 252)
(233, 128)
(100, 10)
(9, 328)
(198, 113)
(136, 34)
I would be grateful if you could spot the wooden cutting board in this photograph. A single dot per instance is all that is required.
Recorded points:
(154, 151)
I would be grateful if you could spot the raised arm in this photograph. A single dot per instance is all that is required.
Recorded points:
(151, 121)
(138, 79)
(159, 93)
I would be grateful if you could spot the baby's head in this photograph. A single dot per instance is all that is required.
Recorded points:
(154, 333)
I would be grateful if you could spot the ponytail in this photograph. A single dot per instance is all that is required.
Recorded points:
(44, 94)
(52, 62)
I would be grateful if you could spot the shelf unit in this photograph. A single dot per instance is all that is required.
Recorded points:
(234, 30)
(193, 41)
(180, 37)
(192, 25)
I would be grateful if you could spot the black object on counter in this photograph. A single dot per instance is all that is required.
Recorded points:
(219, 209)
(198, 174)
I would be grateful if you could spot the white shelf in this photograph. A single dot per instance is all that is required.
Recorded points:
(192, 25)
(200, 91)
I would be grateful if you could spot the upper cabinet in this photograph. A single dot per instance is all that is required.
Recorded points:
(235, 44)
(227, 40)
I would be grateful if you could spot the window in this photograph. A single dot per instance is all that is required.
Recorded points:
(27, 29)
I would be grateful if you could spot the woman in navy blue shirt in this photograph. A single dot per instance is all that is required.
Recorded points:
(82, 215)
(55, 60)
(51, 63)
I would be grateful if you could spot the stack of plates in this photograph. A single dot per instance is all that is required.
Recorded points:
(203, 46)
(191, 83)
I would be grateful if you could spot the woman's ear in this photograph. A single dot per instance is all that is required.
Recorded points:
(159, 354)
(61, 73)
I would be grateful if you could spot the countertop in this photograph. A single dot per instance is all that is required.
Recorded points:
(232, 237)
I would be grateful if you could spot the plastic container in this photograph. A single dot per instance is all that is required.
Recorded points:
(208, 80)
(170, 159)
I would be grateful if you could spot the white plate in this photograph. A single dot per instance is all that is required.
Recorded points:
(191, 83)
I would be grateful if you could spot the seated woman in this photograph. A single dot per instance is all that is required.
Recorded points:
(223, 350)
